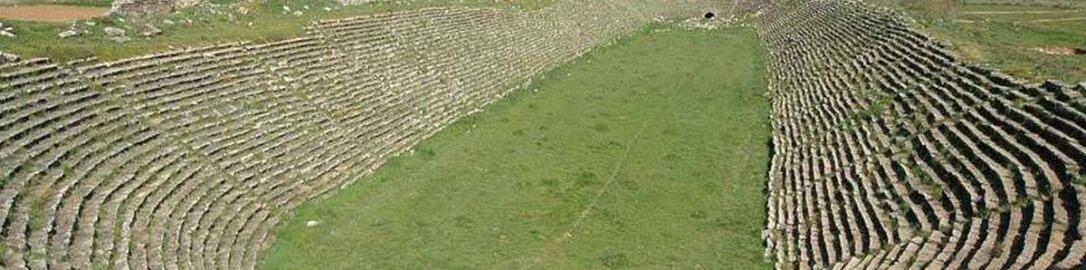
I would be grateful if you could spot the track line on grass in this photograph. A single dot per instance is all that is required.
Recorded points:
(1016, 12)
(552, 248)
(1054, 20)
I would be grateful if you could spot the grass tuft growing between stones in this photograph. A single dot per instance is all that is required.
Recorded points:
(649, 154)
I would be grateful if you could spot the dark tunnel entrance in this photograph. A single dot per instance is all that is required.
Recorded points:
(710, 15)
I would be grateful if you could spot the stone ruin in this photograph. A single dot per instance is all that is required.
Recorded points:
(147, 7)
(889, 152)
(189, 158)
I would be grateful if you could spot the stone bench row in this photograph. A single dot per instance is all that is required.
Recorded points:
(819, 90)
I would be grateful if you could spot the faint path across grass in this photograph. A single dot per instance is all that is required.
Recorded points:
(1012, 12)
(1055, 20)
(549, 249)
(650, 154)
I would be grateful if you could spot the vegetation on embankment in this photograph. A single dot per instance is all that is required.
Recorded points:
(207, 24)
(1031, 42)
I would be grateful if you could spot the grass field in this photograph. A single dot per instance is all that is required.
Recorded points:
(649, 154)
(1019, 39)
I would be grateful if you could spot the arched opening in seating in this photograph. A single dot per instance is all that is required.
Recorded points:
(710, 15)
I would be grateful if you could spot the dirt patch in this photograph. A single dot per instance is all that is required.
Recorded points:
(50, 13)
(1062, 51)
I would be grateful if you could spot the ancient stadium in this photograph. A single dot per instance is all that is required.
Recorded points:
(542, 134)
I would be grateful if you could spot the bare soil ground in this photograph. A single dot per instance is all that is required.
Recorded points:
(50, 13)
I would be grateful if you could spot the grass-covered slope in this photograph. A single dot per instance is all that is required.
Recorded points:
(205, 25)
(648, 154)
(1022, 40)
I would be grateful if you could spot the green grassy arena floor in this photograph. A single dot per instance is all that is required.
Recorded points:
(650, 153)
